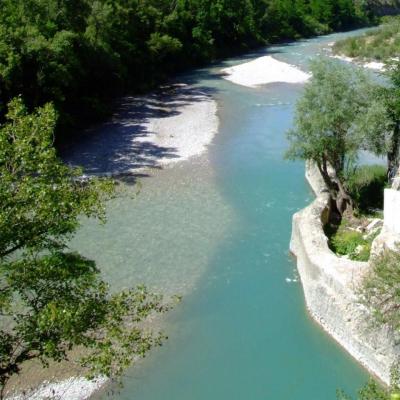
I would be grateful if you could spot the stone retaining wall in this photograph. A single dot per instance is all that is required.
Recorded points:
(330, 285)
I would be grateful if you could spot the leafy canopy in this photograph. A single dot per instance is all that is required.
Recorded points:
(52, 300)
(58, 50)
(326, 126)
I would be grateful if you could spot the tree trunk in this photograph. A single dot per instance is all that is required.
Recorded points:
(393, 154)
(344, 203)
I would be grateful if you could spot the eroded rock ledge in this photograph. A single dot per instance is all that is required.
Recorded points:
(330, 287)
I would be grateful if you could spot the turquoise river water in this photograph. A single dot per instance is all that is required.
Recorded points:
(216, 229)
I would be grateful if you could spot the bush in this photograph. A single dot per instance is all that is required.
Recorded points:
(351, 243)
(365, 185)
(380, 44)
(344, 240)
(380, 290)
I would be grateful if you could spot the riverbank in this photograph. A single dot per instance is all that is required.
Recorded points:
(74, 388)
(374, 65)
(146, 133)
(330, 286)
(224, 218)
(173, 124)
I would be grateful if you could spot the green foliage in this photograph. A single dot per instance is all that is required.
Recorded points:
(326, 115)
(31, 175)
(381, 44)
(365, 185)
(329, 121)
(380, 290)
(52, 300)
(346, 241)
(59, 50)
(373, 391)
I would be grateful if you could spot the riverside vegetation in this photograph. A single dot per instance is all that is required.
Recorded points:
(342, 112)
(381, 44)
(52, 300)
(53, 54)
(59, 50)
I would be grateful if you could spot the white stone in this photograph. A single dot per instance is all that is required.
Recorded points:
(392, 211)
(376, 223)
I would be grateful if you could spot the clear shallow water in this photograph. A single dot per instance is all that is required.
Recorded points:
(217, 230)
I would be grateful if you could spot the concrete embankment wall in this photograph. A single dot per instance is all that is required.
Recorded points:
(330, 286)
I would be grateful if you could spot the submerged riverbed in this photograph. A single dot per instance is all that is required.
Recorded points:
(216, 229)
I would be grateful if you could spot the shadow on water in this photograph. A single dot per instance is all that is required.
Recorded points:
(124, 143)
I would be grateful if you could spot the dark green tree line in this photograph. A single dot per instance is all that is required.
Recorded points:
(79, 53)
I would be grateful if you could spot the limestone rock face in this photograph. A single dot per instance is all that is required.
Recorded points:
(330, 286)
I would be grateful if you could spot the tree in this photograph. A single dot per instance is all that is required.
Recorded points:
(371, 391)
(380, 289)
(59, 50)
(391, 96)
(52, 300)
(379, 127)
(326, 126)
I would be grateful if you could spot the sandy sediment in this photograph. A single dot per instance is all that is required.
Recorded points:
(73, 389)
(374, 65)
(264, 70)
(173, 124)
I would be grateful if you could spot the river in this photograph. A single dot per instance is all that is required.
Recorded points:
(216, 229)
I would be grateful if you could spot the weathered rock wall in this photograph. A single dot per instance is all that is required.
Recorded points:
(330, 284)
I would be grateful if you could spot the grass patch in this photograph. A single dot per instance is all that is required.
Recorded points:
(381, 44)
(346, 241)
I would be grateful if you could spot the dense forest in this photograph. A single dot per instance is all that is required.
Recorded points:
(79, 53)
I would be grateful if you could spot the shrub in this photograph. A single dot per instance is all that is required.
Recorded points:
(351, 243)
(380, 290)
(380, 44)
(365, 185)
(345, 241)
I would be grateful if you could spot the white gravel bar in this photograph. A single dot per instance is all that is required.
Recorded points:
(264, 70)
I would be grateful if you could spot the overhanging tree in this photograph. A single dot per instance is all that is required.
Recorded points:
(52, 300)
(326, 127)
(379, 125)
